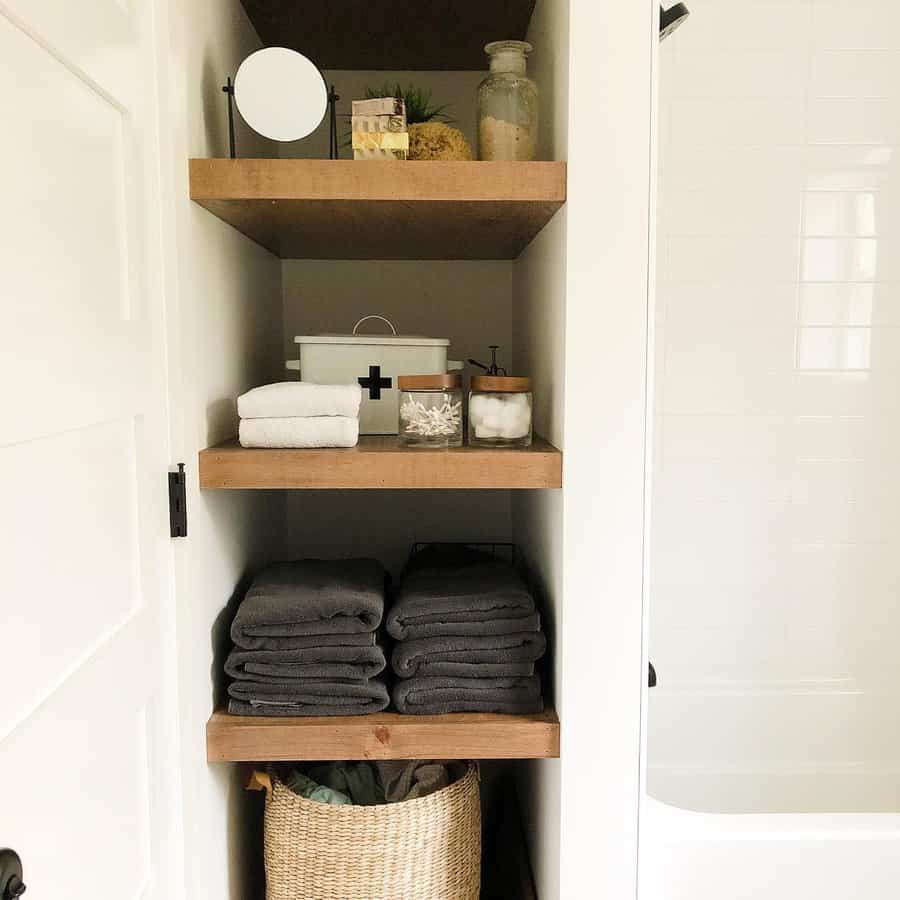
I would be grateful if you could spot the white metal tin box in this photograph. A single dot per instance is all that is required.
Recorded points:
(373, 361)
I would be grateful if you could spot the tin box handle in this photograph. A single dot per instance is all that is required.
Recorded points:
(387, 322)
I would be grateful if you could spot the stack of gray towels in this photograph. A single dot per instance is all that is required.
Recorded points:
(306, 641)
(468, 635)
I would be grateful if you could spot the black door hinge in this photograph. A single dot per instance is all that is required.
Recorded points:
(178, 502)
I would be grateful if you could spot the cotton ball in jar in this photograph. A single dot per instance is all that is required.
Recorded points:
(516, 421)
(493, 407)
(490, 412)
(509, 416)
(476, 408)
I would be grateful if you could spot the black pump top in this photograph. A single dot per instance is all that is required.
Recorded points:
(493, 368)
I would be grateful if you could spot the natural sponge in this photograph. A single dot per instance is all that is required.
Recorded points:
(436, 140)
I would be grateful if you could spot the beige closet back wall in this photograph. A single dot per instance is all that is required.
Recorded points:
(468, 302)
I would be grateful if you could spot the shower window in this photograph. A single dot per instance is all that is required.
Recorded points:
(775, 504)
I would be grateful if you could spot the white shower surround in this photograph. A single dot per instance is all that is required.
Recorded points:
(773, 741)
(703, 856)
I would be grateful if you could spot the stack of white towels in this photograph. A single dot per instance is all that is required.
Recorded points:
(300, 414)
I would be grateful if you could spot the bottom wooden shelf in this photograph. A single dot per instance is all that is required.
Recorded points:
(381, 736)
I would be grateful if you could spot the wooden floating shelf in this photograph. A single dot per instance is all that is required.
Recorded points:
(359, 34)
(341, 209)
(381, 736)
(380, 463)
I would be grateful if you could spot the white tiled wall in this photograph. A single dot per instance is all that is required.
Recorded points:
(776, 499)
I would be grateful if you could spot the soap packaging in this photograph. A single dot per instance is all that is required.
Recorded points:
(380, 145)
(379, 129)
(380, 106)
(376, 124)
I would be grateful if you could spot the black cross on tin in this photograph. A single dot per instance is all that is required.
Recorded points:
(375, 382)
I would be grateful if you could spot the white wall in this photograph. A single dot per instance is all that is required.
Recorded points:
(227, 337)
(539, 290)
(580, 313)
(775, 565)
(539, 298)
(608, 247)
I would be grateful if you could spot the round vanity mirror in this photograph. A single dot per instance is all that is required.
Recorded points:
(280, 94)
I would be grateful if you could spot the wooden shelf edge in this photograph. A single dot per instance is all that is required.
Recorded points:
(341, 209)
(379, 463)
(404, 182)
(382, 736)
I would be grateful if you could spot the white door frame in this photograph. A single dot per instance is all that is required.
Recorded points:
(613, 49)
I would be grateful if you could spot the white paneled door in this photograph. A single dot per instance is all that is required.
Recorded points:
(87, 786)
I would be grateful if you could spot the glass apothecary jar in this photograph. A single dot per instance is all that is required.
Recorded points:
(430, 410)
(500, 411)
(507, 105)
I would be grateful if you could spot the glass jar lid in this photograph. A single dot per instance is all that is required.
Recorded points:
(495, 47)
(500, 384)
(438, 382)
(508, 56)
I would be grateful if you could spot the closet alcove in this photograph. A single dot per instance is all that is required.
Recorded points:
(471, 251)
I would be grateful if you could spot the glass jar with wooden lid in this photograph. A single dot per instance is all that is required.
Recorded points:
(500, 411)
(430, 410)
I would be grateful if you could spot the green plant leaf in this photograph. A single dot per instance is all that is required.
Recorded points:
(417, 100)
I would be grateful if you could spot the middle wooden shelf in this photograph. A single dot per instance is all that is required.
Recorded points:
(379, 462)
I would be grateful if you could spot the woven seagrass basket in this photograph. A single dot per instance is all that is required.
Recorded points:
(425, 849)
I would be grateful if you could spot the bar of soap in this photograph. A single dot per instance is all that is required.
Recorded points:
(378, 153)
(367, 124)
(383, 140)
(380, 106)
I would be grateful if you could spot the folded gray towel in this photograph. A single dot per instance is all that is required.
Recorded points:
(310, 597)
(323, 662)
(436, 696)
(491, 656)
(460, 592)
(307, 698)
(302, 642)
(455, 628)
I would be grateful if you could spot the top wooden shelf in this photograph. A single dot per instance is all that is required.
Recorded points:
(361, 34)
(342, 209)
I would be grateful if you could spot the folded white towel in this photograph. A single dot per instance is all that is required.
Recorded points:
(300, 398)
(314, 431)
